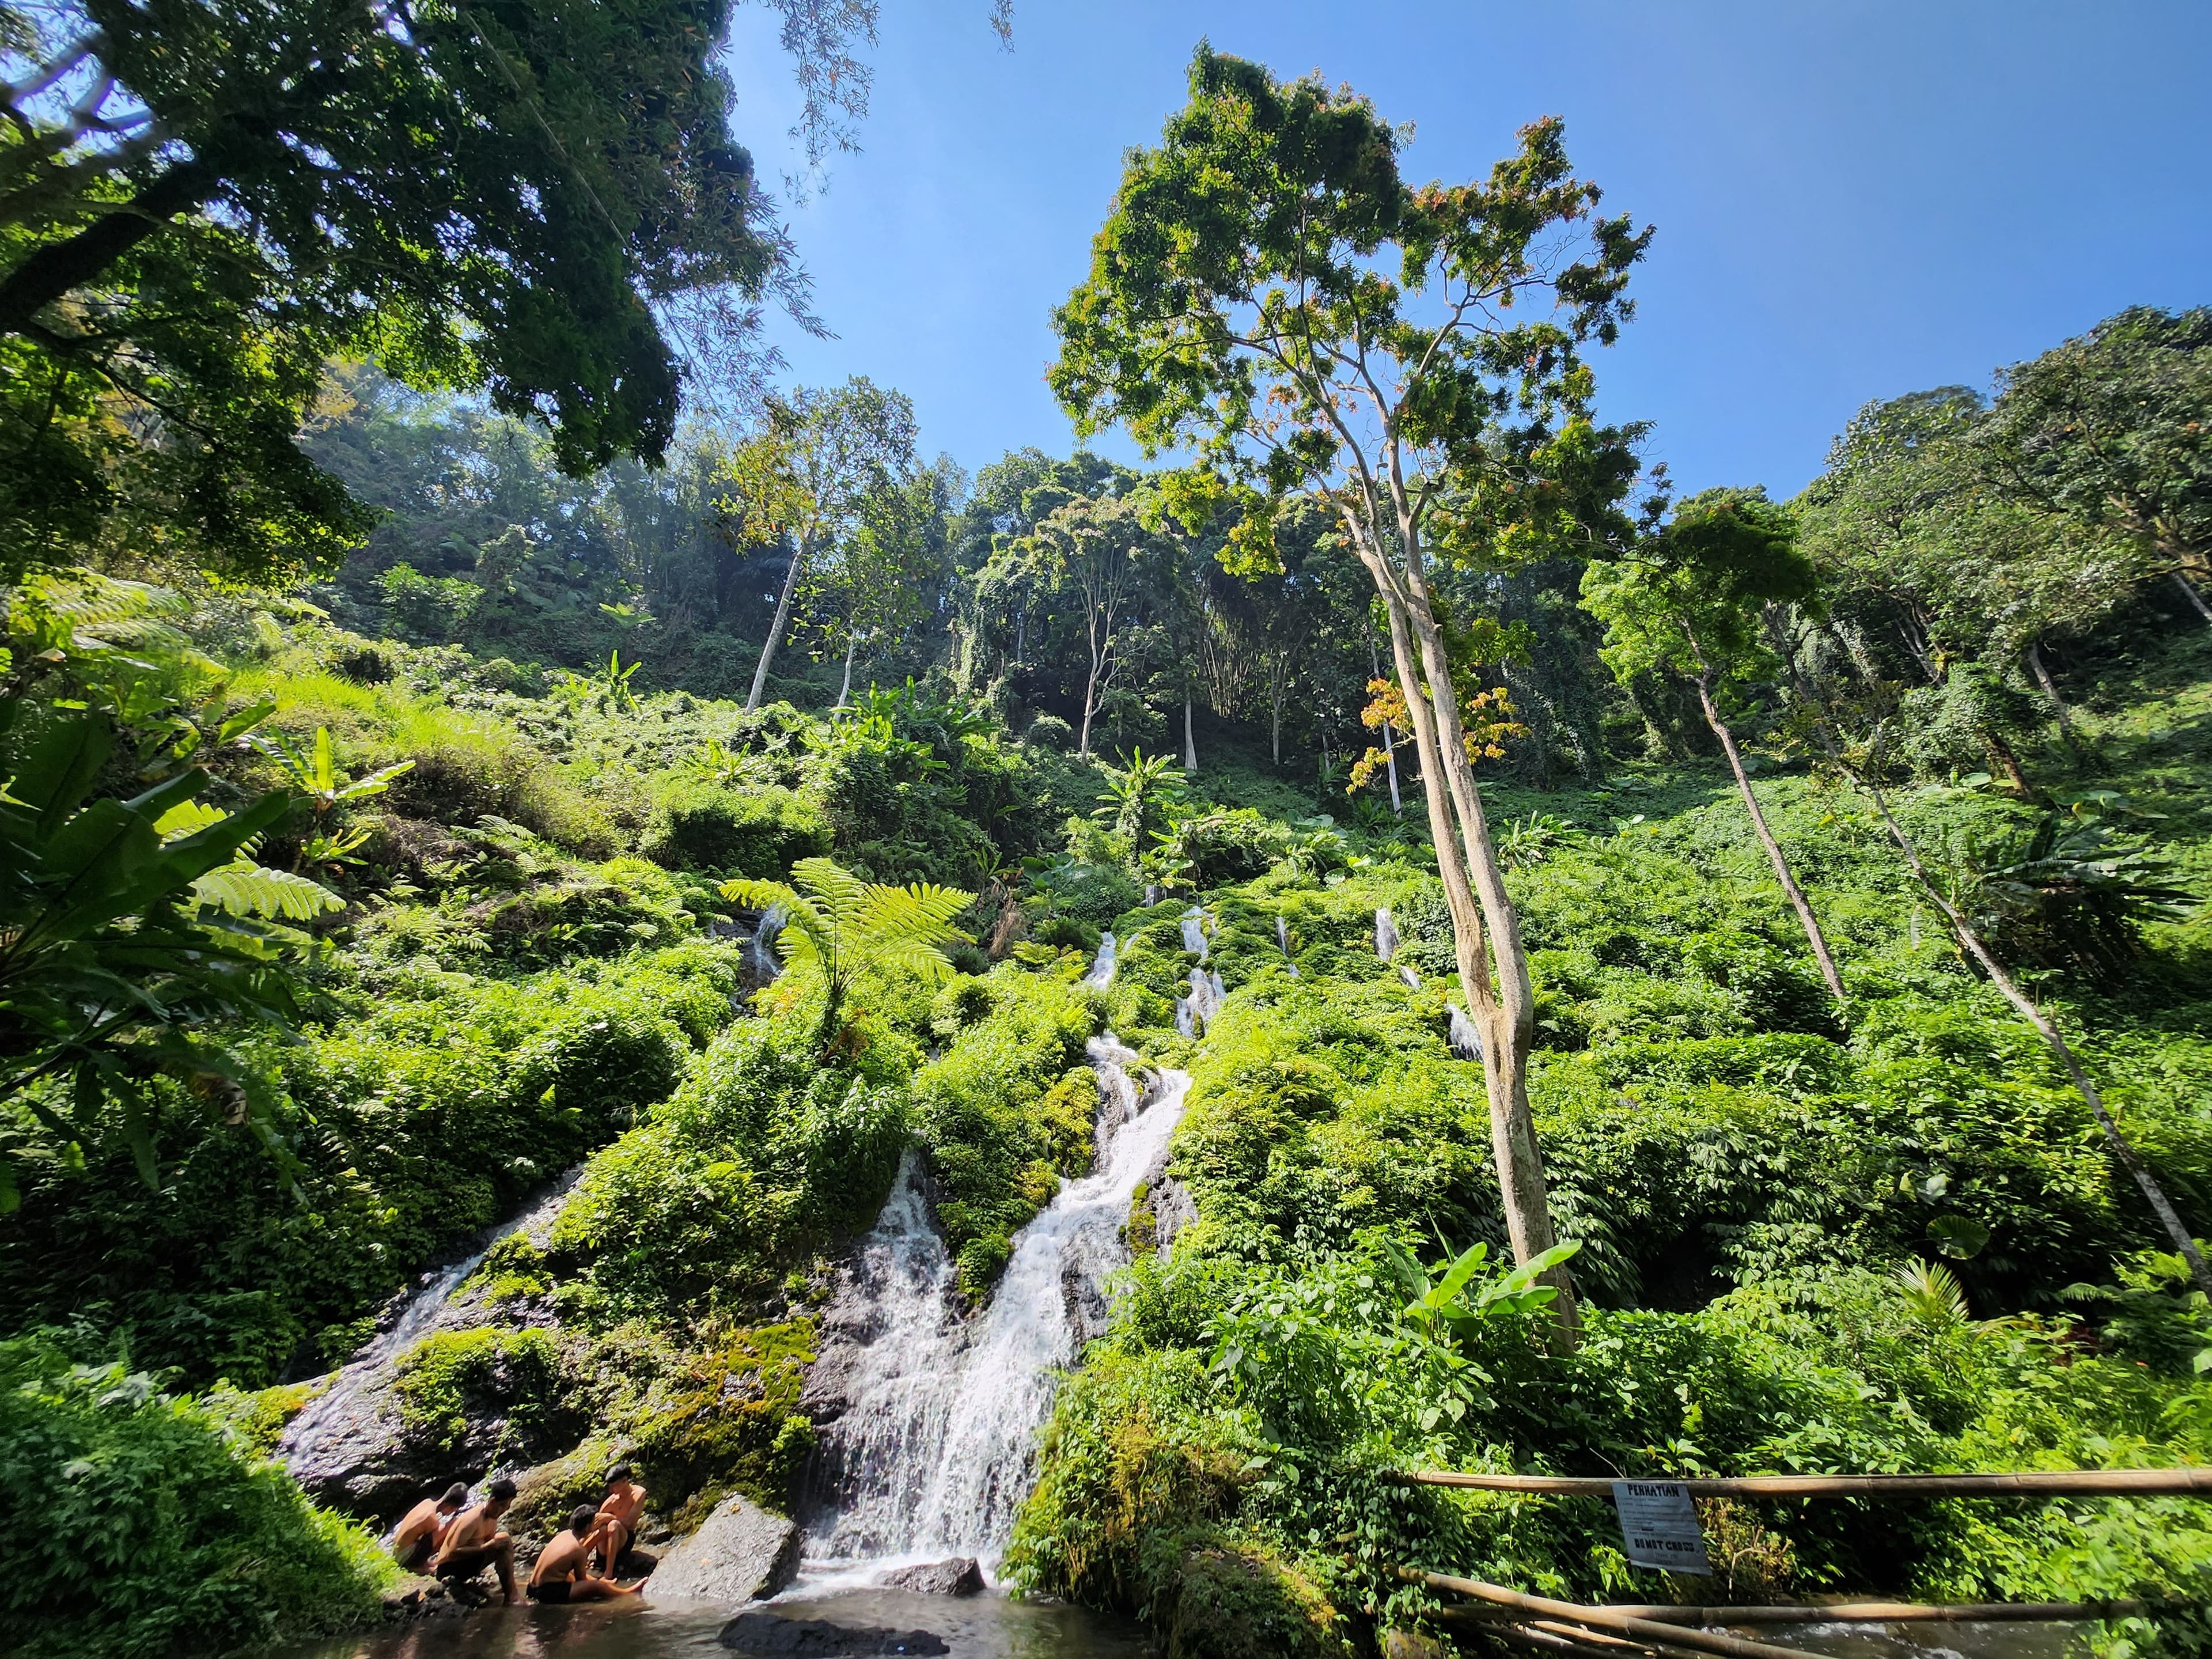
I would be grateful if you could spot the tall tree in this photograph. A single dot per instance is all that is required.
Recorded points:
(1269, 292)
(2109, 431)
(882, 578)
(1690, 603)
(1098, 548)
(204, 201)
(820, 464)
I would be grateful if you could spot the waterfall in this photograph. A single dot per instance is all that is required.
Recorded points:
(1194, 932)
(1406, 972)
(1466, 1040)
(1194, 1013)
(1283, 942)
(760, 949)
(1386, 933)
(1101, 966)
(337, 1413)
(936, 1445)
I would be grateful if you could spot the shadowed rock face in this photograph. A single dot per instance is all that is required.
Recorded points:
(817, 1638)
(961, 1576)
(741, 1554)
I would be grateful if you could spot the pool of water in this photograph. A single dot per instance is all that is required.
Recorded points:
(975, 1628)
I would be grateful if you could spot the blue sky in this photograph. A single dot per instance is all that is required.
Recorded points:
(1852, 200)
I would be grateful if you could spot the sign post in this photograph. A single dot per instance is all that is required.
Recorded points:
(1659, 1526)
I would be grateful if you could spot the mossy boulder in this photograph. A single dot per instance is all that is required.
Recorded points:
(1240, 1601)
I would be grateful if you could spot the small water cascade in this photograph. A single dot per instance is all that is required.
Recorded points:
(760, 949)
(935, 1447)
(1194, 932)
(1101, 966)
(1194, 1012)
(355, 1394)
(1466, 1040)
(1283, 942)
(1386, 933)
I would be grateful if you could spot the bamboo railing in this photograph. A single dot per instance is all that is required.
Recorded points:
(2032, 1483)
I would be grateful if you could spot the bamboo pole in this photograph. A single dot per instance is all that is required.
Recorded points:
(1650, 1630)
(1871, 1612)
(2031, 1483)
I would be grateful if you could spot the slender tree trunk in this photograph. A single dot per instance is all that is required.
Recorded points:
(1485, 923)
(1971, 942)
(1507, 1019)
(1189, 739)
(2001, 752)
(845, 689)
(1275, 724)
(1798, 902)
(2196, 599)
(775, 628)
(1915, 634)
(2041, 670)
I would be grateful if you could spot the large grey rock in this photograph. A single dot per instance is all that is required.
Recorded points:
(961, 1576)
(742, 1553)
(770, 1634)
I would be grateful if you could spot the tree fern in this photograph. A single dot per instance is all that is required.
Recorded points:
(842, 926)
(242, 887)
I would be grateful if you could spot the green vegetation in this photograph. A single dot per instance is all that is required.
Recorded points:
(135, 1524)
(433, 772)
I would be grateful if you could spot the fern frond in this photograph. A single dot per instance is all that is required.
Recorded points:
(190, 818)
(253, 889)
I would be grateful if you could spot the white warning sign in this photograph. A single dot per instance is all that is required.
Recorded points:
(1659, 1525)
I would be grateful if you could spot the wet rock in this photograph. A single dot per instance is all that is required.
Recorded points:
(350, 1449)
(742, 1553)
(1173, 1210)
(817, 1638)
(961, 1576)
(1401, 1643)
(416, 1597)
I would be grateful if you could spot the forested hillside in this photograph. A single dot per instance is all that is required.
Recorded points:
(1670, 984)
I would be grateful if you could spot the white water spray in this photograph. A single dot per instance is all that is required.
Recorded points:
(936, 1447)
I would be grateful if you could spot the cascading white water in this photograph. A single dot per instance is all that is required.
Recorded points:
(1101, 965)
(1283, 943)
(936, 1446)
(1386, 934)
(1466, 1040)
(336, 1412)
(1194, 932)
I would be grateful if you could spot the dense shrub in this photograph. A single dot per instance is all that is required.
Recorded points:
(411, 1128)
(1005, 1114)
(134, 1525)
(765, 1154)
(753, 831)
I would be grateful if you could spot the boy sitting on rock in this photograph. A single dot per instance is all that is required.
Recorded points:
(563, 1574)
(614, 1528)
(477, 1540)
(426, 1526)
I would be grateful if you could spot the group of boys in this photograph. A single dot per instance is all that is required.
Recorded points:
(445, 1537)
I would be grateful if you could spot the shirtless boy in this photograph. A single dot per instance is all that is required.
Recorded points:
(614, 1529)
(425, 1527)
(477, 1540)
(562, 1574)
